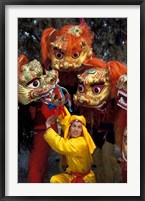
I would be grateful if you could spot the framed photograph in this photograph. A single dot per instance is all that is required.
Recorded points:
(117, 35)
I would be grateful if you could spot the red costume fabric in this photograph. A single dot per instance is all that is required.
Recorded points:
(38, 159)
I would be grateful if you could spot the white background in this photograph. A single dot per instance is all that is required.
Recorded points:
(132, 188)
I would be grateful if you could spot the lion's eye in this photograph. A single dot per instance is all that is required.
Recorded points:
(97, 89)
(58, 55)
(76, 55)
(34, 84)
(81, 88)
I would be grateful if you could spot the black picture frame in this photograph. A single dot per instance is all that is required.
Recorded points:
(3, 3)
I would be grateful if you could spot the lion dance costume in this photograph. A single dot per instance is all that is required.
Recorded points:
(96, 99)
(43, 90)
(120, 125)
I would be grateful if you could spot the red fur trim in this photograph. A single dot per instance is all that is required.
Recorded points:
(116, 70)
(46, 36)
(93, 63)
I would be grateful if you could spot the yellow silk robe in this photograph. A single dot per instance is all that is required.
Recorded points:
(78, 157)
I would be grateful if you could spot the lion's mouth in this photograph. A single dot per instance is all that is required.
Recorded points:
(85, 104)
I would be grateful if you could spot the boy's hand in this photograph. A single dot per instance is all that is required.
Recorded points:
(50, 121)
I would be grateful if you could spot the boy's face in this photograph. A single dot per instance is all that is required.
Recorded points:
(76, 129)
